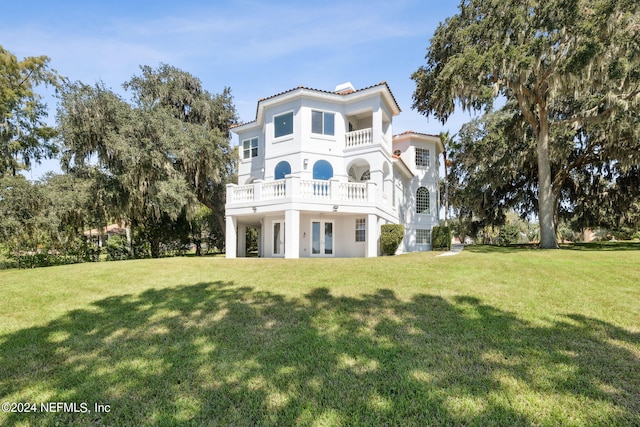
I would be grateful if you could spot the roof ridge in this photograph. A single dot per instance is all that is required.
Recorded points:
(302, 87)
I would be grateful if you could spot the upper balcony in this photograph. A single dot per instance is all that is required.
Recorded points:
(358, 138)
(293, 189)
(362, 138)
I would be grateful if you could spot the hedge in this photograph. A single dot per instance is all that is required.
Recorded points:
(390, 237)
(441, 238)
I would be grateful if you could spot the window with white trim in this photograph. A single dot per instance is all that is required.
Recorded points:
(422, 158)
(361, 230)
(423, 237)
(422, 201)
(283, 125)
(322, 122)
(250, 148)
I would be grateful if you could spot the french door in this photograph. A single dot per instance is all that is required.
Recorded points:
(322, 242)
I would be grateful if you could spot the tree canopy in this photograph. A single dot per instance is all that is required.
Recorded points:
(571, 69)
(24, 136)
(157, 158)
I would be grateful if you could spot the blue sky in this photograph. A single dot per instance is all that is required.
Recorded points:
(257, 48)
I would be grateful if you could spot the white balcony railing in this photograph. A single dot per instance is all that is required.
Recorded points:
(301, 189)
(273, 190)
(315, 189)
(359, 138)
(353, 191)
(241, 193)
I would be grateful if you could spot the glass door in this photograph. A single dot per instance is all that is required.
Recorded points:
(322, 238)
(278, 238)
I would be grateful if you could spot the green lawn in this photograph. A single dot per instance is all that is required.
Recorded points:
(488, 337)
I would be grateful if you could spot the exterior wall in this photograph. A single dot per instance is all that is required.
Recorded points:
(344, 231)
(362, 142)
(426, 177)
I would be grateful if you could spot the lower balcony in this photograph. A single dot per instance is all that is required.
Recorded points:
(292, 189)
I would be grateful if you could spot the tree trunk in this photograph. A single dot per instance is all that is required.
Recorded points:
(546, 199)
(154, 245)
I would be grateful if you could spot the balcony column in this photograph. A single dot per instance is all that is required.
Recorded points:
(372, 192)
(334, 190)
(372, 236)
(241, 243)
(376, 128)
(231, 237)
(378, 179)
(230, 188)
(291, 186)
(257, 190)
(292, 233)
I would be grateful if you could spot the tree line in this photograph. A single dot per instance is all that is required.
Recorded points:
(157, 163)
(564, 146)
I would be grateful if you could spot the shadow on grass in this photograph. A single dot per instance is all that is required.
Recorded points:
(592, 246)
(604, 246)
(218, 354)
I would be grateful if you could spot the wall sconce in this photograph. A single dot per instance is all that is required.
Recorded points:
(305, 162)
(254, 209)
(335, 208)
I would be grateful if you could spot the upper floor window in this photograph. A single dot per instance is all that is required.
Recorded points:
(250, 148)
(322, 122)
(282, 169)
(322, 170)
(422, 158)
(422, 201)
(283, 125)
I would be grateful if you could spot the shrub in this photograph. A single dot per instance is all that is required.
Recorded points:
(510, 234)
(390, 238)
(117, 248)
(441, 238)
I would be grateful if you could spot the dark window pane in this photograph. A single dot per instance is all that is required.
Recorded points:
(283, 168)
(283, 125)
(322, 170)
(329, 120)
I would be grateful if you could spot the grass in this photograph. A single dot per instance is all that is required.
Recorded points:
(491, 336)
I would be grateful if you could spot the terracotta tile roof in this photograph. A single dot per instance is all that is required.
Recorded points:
(344, 93)
(410, 132)
(403, 163)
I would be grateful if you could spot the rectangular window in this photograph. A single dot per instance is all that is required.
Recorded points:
(361, 230)
(423, 237)
(422, 158)
(283, 125)
(250, 148)
(323, 123)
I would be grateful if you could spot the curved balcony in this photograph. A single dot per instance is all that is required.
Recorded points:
(294, 189)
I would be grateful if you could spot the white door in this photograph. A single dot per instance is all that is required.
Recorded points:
(278, 238)
(322, 238)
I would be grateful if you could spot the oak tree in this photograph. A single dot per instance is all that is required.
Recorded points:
(564, 63)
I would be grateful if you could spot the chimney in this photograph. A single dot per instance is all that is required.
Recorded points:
(345, 88)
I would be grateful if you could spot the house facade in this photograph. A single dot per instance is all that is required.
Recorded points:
(320, 172)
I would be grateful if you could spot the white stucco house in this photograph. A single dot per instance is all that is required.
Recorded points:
(321, 171)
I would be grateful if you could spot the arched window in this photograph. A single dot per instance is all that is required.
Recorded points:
(283, 168)
(422, 201)
(352, 174)
(366, 176)
(322, 170)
